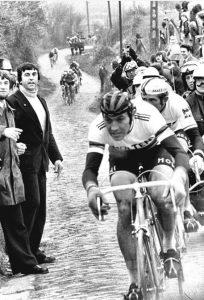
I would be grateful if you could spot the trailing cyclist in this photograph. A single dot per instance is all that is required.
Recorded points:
(53, 56)
(136, 134)
(68, 83)
(75, 67)
(178, 116)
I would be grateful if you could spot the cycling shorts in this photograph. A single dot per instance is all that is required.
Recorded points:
(132, 159)
(70, 83)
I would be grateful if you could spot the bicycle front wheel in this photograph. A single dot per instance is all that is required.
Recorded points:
(149, 269)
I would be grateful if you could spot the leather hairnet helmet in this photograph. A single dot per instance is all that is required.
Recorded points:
(117, 103)
(154, 87)
(130, 65)
(150, 72)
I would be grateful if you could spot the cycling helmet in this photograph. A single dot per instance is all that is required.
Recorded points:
(74, 64)
(154, 87)
(117, 103)
(151, 72)
(138, 79)
(70, 71)
(5, 64)
(199, 71)
(130, 65)
(189, 67)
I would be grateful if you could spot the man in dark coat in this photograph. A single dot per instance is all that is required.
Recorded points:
(32, 116)
(12, 190)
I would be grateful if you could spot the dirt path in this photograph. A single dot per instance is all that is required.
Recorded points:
(89, 265)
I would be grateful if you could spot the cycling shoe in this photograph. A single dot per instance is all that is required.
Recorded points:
(190, 223)
(134, 293)
(172, 263)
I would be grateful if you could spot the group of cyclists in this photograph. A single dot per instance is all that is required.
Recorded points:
(155, 116)
(70, 82)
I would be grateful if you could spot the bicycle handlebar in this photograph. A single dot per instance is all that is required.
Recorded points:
(136, 186)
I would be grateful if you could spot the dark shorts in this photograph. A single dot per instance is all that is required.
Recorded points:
(130, 160)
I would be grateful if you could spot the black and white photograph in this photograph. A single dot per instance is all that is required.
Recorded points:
(101, 150)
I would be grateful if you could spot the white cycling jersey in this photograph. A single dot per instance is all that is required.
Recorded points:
(148, 128)
(177, 112)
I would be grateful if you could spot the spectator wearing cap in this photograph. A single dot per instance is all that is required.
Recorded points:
(186, 55)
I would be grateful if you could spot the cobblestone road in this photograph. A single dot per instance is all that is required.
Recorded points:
(89, 265)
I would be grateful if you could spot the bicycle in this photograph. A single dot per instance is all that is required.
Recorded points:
(68, 93)
(147, 234)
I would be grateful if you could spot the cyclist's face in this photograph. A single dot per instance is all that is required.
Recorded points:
(131, 74)
(118, 126)
(30, 79)
(190, 81)
(156, 101)
(4, 88)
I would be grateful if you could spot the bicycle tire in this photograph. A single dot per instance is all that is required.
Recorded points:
(146, 280)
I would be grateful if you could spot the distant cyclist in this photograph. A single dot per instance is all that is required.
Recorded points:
(75, 67)
(53, 56)
(68, 82)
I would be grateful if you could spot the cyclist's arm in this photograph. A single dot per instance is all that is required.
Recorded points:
(90, 174)
(173, 146)
(196, 139)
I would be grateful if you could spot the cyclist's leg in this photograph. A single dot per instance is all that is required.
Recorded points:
(126, 243)
(190, 223)
(163, 167)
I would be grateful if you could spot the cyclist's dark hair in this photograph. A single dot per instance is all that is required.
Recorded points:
(26, 66)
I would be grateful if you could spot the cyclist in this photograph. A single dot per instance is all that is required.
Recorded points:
(75, 67)
(136, 134)
(178, 116)
(53, 56)
(195, 101)
(68, 81)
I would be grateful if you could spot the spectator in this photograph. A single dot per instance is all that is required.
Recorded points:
(12, 190)
(163, 36)
(140, 48)
(103, 74)
(32, 116)
(186, 55)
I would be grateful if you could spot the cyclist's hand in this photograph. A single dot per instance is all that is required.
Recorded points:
(93, 193)
(197, 164)
(12, 133)
(178, 183)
